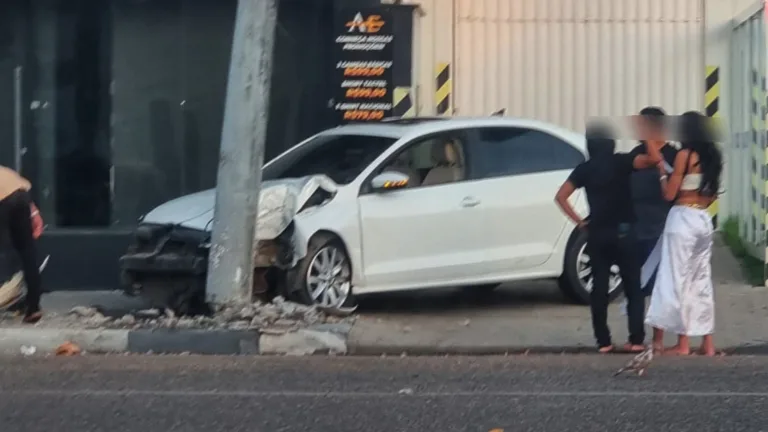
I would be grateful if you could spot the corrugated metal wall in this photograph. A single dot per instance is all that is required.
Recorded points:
(564, 61)
(746, 149)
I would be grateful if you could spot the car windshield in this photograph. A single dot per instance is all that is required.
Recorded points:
(340, 157)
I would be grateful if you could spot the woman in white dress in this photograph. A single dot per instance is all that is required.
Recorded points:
(682, 301)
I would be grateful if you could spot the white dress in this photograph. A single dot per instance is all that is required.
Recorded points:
(683, 301)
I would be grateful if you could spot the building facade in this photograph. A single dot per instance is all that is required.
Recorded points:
(111, 107)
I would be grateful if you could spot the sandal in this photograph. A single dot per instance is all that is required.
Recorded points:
(32, 318)
(606, 349)
(632, 348)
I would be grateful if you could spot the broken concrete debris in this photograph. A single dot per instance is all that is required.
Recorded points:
(278, 317)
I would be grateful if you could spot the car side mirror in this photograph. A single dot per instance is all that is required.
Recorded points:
(389, 180)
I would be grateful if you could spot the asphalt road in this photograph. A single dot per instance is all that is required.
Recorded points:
(520, 393)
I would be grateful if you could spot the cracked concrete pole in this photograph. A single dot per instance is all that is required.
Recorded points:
(244, 132)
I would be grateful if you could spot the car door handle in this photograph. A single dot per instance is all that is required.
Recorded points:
(470, 202)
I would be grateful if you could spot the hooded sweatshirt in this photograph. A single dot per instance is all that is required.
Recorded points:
(606, 180)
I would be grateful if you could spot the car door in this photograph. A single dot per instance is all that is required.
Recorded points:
(417, 236)
(517, 172)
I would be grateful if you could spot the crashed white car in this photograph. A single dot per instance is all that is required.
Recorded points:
(397, 205)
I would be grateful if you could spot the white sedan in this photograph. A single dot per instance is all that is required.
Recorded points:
(412, 204)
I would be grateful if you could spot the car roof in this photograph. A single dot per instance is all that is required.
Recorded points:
(415, 126)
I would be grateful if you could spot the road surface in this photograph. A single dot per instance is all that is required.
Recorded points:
(516, 393)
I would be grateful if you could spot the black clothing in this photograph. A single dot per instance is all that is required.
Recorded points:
(607, 247)
(606, 182)
(650, 207)
(611, 239)
(16, 226)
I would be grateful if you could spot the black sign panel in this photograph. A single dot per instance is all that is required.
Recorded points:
(364, 47)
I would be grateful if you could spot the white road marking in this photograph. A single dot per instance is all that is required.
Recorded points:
(337, 394)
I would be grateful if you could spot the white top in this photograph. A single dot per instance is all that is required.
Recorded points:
(691, 182)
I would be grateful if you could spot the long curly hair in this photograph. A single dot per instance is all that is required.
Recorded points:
(696, 136)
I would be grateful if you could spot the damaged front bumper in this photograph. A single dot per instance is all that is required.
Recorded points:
(164, 250)
(170, 251)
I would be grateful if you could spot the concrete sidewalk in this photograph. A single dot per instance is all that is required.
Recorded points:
(535, 316)
(517, 318)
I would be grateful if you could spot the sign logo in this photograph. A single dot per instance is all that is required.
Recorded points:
(372, 24)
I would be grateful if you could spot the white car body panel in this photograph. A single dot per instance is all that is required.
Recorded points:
(424, 237)
(417, 237)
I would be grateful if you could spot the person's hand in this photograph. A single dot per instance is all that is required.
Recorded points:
(37, 222)
(661, 167)
(583, 225)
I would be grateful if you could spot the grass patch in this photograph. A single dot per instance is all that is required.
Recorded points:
(752, 267)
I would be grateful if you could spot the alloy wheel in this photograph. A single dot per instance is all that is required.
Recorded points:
(329, 277)
(586, 278)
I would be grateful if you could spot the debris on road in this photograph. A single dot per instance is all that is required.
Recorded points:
(278, 317)
(68, 349)
(28, 350)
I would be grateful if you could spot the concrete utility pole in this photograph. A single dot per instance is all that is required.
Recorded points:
(238, 185)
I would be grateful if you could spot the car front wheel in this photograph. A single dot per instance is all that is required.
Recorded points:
(577, 279)
(324, 276)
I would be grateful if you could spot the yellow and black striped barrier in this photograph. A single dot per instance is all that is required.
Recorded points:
(712, 109)
(756, 153)
(443, 87)
(402, 103)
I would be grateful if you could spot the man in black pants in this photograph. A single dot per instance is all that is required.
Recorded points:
(610, 229)
(16, 229)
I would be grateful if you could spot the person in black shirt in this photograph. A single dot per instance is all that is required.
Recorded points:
(610, 229)
(650, 207)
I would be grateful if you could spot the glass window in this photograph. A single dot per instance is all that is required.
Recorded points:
(505, 151)
(340, 157)
(64, 115)
(430, 162)
(169, 74)
(169, 70)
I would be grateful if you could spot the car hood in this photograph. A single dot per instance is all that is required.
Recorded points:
(279, 202)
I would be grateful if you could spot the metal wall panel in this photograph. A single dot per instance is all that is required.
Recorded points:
(434, 46)
(565, 61)
(746, 149)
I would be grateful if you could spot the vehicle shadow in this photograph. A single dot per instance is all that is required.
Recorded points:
(513, 296)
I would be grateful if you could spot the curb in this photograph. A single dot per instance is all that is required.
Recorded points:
(207, 342)
(323, 339)
(48, 339)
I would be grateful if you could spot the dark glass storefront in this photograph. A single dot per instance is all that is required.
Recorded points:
(112, 107)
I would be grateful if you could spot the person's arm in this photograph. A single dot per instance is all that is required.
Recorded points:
(649, 160)
(670, 185)
(564, 193)
(37, 221)
(12, 176)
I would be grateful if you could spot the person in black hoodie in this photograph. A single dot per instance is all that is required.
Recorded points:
(610, 230)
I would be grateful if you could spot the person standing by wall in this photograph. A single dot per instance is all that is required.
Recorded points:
(610, 230)
(19, 228)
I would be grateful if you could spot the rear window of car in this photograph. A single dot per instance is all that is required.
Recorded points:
(503, 151)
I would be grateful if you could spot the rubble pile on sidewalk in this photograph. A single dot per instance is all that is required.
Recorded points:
(277, 317)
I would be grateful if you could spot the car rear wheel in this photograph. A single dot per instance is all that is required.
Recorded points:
(324, 276)
(577, 279)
